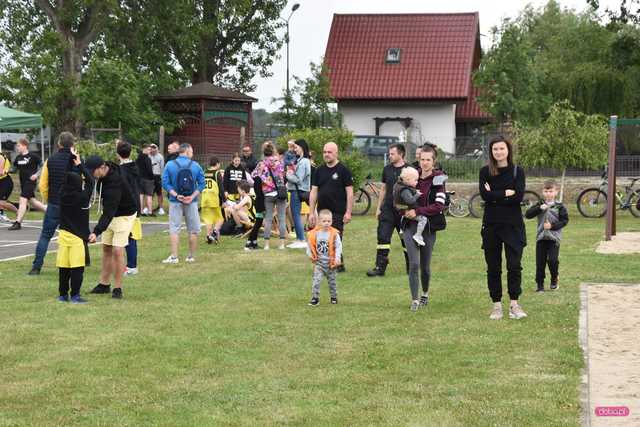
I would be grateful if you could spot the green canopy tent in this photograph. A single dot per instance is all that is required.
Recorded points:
(11, 119)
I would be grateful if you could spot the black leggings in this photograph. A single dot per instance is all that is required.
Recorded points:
(492, 243)
(253, 236)
(70, 276)
(547, 252)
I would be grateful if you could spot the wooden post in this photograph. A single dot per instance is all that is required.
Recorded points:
(610, 229)
(161, 140)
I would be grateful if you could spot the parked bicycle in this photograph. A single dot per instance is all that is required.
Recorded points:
(476, 204)
(362, 197)
(458, 206)
(592, 202)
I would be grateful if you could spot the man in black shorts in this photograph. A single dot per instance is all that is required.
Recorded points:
(28, 166)
(388, 216)
(332, 189)
(6, 187)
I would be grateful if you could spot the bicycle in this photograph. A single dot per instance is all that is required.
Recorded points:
(362, 197)
(476, 204)
(592, 202)
(458, 206)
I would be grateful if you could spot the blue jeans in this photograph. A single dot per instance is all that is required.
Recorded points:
(49, 224)
(132, 253)
(296, 206)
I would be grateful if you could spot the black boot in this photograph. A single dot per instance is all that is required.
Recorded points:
(381, 265)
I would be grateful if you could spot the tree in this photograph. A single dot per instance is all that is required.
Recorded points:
(225, 42)
(629, 11)
(566, 139)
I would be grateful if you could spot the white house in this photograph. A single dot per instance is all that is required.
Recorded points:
(409, 74)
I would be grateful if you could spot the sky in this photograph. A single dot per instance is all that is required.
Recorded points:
(310, 24)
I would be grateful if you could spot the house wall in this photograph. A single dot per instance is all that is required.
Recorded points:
(432, 122)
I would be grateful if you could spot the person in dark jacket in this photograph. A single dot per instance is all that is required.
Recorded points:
(552, 218)
(233, 174)
(130, 173)
(502, 185)
(248, 160)
(115, 223)
(430, 204)
(73, 253)
(52, 178)
(145, 170)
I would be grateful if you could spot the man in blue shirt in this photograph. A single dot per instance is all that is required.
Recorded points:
(183, 180)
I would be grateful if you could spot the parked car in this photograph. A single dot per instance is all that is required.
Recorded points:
(372, 145)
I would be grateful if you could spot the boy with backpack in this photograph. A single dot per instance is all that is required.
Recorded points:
(212, 201)
(183, 180)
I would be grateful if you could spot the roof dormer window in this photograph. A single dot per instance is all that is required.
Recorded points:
(393, 55)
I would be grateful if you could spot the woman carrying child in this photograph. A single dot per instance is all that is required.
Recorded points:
(430, 204)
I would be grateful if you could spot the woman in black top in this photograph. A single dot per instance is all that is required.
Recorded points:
(233, 174)
(502, 186)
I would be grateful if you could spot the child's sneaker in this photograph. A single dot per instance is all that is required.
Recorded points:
(77, 299)
(334, 300)
(210, 238)
(251, 246)
(424, 300)
(516, 312)
(117, 293)
(415, 304)
(540, 288)
(554, 285)
(131, 271)
(314, 302)
(63, 298)
(418, 239)
(190, 259)
(160, 211)
(171, 260)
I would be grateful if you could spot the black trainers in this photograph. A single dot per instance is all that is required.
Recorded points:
(209, 239)
(554, 285)
(251, 246)
(34, 271)
(540, 288)
(314, 302)
(375, 271)
(15, 226)
(334, 300)
(117, 293)
(424, 300)
(77, 299)
(101, 289)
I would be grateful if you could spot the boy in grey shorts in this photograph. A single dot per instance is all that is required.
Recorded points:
(325, 250)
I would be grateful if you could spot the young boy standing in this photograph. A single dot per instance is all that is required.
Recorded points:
(325, 250)
(212, 200)
(552, 218)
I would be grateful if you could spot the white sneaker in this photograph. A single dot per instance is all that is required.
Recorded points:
(189, 259)
(5, 218)
(171, 260)
(496, 313)
(298, 244)
(419, 240)
(516, 312)
(145, 211)
(266, 247)
(281, 246)
(160, 211)
(131, 271)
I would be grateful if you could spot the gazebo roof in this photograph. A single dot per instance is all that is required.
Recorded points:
(206, 91)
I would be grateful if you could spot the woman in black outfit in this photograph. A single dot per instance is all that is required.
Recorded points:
(502, 185)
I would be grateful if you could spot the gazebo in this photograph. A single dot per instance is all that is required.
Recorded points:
(11, 119)
(214, 120)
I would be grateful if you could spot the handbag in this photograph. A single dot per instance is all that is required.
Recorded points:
(281, 189)
(303, 195)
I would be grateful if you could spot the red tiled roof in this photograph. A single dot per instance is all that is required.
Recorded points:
(470, 109)
(206, 91)
(436, 59)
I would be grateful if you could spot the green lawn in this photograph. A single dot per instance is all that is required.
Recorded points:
(231, 341)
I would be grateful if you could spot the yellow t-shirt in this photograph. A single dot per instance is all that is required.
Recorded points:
(7, 166)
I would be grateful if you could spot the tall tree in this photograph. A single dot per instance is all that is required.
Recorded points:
(225, 42)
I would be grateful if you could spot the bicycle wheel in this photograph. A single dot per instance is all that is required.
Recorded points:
(592, 203)
(459, 208)
(634, 203)
(476, 206)
(529, 199)
(361, 202)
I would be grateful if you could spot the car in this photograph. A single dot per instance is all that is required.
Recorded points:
(373, 145)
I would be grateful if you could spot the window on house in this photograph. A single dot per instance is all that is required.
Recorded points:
(393, 55)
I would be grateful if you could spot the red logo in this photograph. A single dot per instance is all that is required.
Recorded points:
(612, 411)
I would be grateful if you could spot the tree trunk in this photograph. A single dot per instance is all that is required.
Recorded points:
(564, 173)
(72, 75)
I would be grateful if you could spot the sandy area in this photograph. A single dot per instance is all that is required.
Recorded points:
(613, 319)
(621, 243)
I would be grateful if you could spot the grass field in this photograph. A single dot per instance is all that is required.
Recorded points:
(231, 341)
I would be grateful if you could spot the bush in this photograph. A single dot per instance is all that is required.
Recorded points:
(107, 150)
(316, 138)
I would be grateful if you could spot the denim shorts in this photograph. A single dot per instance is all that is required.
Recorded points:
(191, 217)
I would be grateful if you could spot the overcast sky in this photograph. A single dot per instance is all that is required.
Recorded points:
(310, 25)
